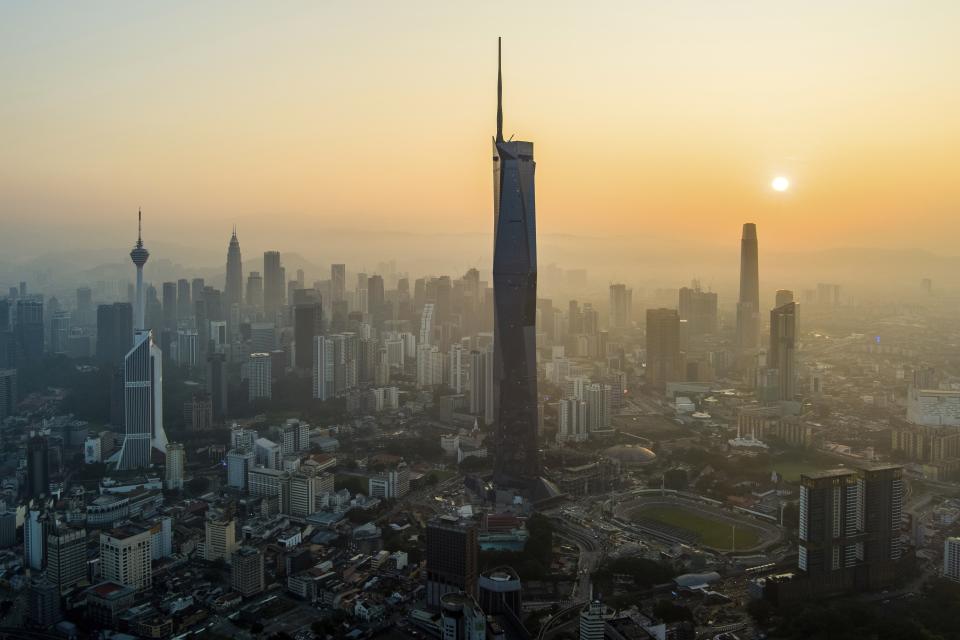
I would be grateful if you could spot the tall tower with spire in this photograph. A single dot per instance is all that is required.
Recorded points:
(139, 255)
(516, 461)
(142, 383)
(233, 290)
(748, 305)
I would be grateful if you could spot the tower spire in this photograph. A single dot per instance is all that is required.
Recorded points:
(499, 96)
(139, 227)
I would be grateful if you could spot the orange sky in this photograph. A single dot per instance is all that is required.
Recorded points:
(650, 119)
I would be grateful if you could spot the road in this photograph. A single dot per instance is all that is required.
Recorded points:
(591, 553)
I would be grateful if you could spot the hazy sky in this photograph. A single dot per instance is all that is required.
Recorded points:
(660, 120)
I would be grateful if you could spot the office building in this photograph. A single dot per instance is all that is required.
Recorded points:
(43, 602)
(699, 309)
(66, 557)
(239, 463)
(233, 289)
(60, 325)
(260, 376)
(143, 404)
(267, 453)
(254, 295)
(84, 316)
(38, 467)
(621, 306)
(188, 348)
(664, 358)
(933, 407)
(461, 618)
(246, 571)
(28, 331)
(781, 356)
(125, 557)
(593, 620)
(394, 483)
(36, 524)
(220, 539)
(307, 325)
(426, 324)
(500, 593)
(452, 552)
(169, 299)
(324, 365)
(782, 297)
(598, 400)
(456, 380)
(516, 458)
(748, 306)
(184, 302)
(175, 461)
(274, 284)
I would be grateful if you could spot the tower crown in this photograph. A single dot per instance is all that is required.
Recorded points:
(139, 254)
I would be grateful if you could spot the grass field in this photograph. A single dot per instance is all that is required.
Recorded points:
(713, 533)
(791, 469)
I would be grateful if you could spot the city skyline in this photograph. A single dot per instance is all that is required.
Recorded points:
(666, 103)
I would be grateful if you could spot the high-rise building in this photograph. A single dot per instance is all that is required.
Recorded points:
(699, 309)
(28, 331)
(621, 304)
(35, 527)
(516, 457)
(66, 557)
(783, 296)
(60, 325)
(461, 618)
(114, 332)
(338, 282)
(38, 467)
(220, 538)
(169, 298)
(143, 404)
(748, 306)
(184, 303)
(452, 558)
(274, 285)
(426, 324)
(500, 593)
(246, 571)
(8, 392)
(781, 356)
(239, 463)
(480, 392)
(664, 358)
(43, 602)
(598, 407)
(307, 324)
(233, 289)
(176, 459)
(951, 558)
(268, 453)
(143, 384)
(125, 557)
(850, 527)
(323, 368)
(260, 380)
(255, 290)
(456, 378)
(593, 620)
(573, 424)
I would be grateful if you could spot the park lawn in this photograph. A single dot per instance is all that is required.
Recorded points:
(713, 533)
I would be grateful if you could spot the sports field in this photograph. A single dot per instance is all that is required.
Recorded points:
(713, 533)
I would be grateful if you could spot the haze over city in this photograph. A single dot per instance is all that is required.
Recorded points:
(280, 361)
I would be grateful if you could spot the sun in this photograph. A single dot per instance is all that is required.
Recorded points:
(780, 183)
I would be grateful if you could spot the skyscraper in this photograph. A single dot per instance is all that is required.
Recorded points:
(66, 557)
(515, 305)
(114, 332)
(452, 558)
(125, 557)
(273, 284)
(783, 297)
(338, 282)
(748, 307)
(246, 571)
(783, 338)
(664, 359)
(621, 301)
(38, 467)
(169, 298)
(260, 376)
(699, 309)
(307, 324)
(29, 331)
(143, 384)
(233, 289)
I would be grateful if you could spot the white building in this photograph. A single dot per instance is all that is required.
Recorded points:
(92, 451)
(598, 407)
(126, 556)
(35, 527)
(323, 368)
(456, 379)
(572, 425)
(426, 324)
(267, 453)
(429, 366)
(390, 484)
(143, 403)
(187, 348)
(934, 407)
(951, 558)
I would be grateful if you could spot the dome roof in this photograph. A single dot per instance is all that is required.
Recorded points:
(630, 454)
